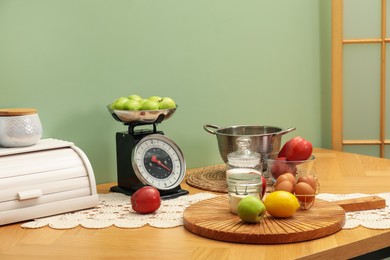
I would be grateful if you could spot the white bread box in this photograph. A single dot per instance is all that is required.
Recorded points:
(48, 178)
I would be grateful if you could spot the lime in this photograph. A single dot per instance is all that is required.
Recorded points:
(281, 204)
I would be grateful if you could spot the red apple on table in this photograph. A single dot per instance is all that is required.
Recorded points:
(146, 200)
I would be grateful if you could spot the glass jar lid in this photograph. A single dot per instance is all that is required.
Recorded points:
(244, 157)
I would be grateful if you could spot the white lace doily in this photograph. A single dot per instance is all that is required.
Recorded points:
(115, 209)
(374, 219)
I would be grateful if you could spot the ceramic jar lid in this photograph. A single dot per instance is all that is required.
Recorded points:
(17, 111)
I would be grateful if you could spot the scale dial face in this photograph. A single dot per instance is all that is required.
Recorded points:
(158, 162)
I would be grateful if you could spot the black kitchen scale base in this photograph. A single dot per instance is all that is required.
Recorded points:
(128, 182)
(164, 195)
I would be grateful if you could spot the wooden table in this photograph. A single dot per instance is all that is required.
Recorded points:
(338, 173)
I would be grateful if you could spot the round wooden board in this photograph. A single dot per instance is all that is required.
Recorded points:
(212, 218)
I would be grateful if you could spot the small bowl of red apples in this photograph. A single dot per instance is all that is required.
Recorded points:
(294, 157)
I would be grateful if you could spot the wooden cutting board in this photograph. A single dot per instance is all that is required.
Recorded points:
(212, 219)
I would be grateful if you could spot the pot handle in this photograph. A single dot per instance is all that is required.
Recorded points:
(206, 127)
(285, 131)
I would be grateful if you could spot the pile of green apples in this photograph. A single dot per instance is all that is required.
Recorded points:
(136, 102)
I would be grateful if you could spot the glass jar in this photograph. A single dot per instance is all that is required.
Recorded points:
(241, 185)
(243, 173)
(243, 160)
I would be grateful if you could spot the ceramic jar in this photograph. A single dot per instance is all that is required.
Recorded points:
(19, 127)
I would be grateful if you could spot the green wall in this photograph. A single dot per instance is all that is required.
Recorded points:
(225, 62)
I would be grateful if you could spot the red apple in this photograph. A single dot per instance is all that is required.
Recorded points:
(264, 185)
(296, 149)
(146, 200)
(280, 165)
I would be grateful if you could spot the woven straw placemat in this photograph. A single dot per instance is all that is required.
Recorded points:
(210, 178)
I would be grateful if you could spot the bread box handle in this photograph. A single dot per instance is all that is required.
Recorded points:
(29, 194)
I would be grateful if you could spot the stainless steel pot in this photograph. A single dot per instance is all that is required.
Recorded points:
(264, 139)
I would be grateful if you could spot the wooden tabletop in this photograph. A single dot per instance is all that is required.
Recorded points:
(338, 172)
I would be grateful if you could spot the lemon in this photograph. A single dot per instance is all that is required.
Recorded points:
(281, 204)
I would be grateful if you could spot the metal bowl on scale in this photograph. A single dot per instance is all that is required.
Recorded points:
(141, 116)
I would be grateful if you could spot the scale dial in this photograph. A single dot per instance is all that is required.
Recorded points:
(158, 162)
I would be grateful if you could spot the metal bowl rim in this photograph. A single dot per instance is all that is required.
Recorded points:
(218, 131)
(310, 159)
(139, 114)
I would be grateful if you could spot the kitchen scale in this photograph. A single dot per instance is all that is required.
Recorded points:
(146, 156)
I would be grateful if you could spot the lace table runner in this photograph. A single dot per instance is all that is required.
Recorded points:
(373, 219)
(115, 209)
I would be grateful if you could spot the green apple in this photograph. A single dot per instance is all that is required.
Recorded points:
(119, 103)
(132, 105)
(142, 101)
(135, 97)
(251, 209)
(150, 105)
(155, 98)
(167, 103)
